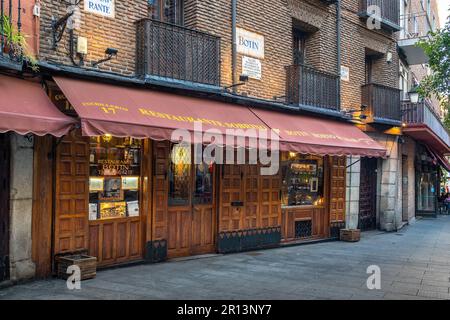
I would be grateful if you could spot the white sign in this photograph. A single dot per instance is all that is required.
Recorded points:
(249, 43)
(345, 73)
(252, 68)
(101, 7)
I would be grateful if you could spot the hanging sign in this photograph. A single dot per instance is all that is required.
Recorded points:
(250, 43)
(101, 7)
(251, 67)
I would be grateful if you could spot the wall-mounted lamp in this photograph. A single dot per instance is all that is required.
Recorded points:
(243, 78)
(414, 95)
(110, 53)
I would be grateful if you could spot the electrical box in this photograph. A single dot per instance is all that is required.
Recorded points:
(82, 45)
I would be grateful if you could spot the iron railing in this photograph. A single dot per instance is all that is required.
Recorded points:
(423, 113)
(415, 26)
(171, 51)
(10, 24)
(311, 87)
(381, 102)
(389, 11)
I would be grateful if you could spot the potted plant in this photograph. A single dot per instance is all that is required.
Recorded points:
(15, 43)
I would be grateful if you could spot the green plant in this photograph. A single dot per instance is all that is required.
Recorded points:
(16, 42)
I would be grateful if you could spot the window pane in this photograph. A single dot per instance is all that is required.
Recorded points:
(179, 175)
(114, 177)
(203, 191)
(302, 180)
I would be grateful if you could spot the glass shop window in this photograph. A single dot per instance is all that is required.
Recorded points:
(203, 187)
(303, 180)
(426, 189)
(179, 175)
(114, 181)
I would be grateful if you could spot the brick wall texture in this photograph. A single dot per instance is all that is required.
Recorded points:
(274, 19)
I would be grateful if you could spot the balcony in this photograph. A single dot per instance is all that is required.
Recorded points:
(10, 26)
(414, 28)
(170, 52)
(311, 88)
(382, 104)
(422, 123)
(389, 13)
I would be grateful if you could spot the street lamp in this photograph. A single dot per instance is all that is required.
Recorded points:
(414, 95)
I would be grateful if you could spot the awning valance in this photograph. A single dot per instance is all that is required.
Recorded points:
(140, 113)
(312, 135)
(25, 108)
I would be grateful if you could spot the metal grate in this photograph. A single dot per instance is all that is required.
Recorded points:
(389, 10)
(303, 228)
(311, 87)
(170, 51)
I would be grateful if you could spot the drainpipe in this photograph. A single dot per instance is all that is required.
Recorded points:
(338, 51)
(233, 33)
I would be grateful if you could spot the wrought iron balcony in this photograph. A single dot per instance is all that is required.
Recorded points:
(382, 103)
(169, 51)
(414, 27)
(423, 114)
(389, 12)
(11, 54)
(308, 87)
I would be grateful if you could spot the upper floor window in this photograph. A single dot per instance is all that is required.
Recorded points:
(170, 11)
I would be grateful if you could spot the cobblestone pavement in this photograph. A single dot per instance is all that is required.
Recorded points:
(414, 262)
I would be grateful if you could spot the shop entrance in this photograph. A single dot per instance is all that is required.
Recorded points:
(190, 204)
(367, 194)
(4, 206)
(248, 200)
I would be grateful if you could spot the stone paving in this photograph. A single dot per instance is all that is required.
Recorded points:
(414, 262)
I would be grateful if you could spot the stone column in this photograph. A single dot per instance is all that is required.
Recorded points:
(390, 188)
(21, 203)
(352, 192)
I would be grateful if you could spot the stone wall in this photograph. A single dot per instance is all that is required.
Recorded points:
(409, 150)
(21, 204)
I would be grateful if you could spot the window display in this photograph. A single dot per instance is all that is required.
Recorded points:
(114, 177)
(302, 180)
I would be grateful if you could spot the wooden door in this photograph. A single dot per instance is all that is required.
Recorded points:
(4, 205)
(367, 194)
(231, 200)
(248, 199)
(71, 194)
(337, 188)
(190, 227)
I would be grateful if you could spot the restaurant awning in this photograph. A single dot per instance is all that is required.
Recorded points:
(25, 108)
(438, 158)
(139, 113)
(312, 135)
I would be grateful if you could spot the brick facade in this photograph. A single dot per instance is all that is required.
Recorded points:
(101, 33)
(272, 19)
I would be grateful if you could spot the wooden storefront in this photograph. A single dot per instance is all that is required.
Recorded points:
(182, 210)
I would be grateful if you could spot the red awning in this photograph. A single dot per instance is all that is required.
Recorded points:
(312, 135)
(142, 113)
(439, 158)
(25, 108)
